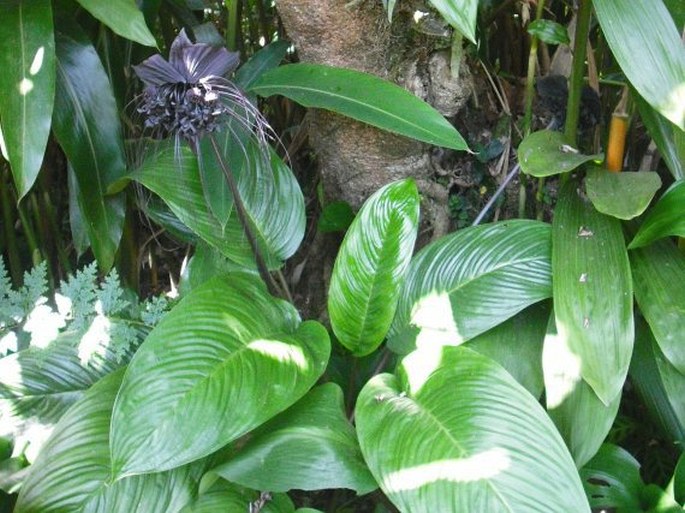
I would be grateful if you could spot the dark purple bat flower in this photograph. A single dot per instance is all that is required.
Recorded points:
(189, 95)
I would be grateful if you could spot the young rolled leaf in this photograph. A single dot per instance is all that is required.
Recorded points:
(652, 57)
(370, 267)
(27, 60)
(363, 97)
(313, 440)
(123, 17)
(665, 219)
(86, 125)
(461, 14)
(72, 471)
(659, 281)
(468, 282)
(227, 358)
(593, 293)
(545, 153)
(455, 432)
(622, 195)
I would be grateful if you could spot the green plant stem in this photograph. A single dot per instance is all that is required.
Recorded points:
(31, 239)
(12, 249)
(62, 255)
(232, 24)
(577, 71)
(244, 221)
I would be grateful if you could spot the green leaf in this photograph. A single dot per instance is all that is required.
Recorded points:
(646, 375)
(545, 153)
(593, 293)
(27, 82)
(652, 57)
(622, 195)
(455, 432)
(612, 479)
(38, 385)
(362, 97)
(205, 264)
(669, 139)
(337, 216)
(123, 17)
(265, 59)
(679, 480)
(666, 218)
(310, 446)
(77, 224)
(230, 357)
(86, 124)
(468, 282)
(659, 281)
(371, 265)
(228, 497)
(582, 419)
(461, 14)
(72, 471)
(516, 345)
(549, 32)
(214, 187)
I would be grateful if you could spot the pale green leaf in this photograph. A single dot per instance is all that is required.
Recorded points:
(123, 17)
(612, 479)
(461, 14)
(666, 218)
(622, 195)
(545, 153)
(455, 432)
(370, 267)
(224, 497)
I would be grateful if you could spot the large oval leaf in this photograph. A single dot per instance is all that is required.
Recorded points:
(362, 97)
(659, 277)
(593, 292)
(545, 153)
(27, 60)
(86, 124)
(466, 283)
(461, 14)
(622, 195)
(370, 267)
(310, 446)
(227, 358)
(123, 17)
(652, 56)
(665, 219)
(455, 432)
(72, 471)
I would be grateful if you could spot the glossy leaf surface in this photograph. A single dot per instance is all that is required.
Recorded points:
(461, 14)
(549, 32)
(665, 219)
(545, 153)
(228, 497)
(313, 440)
(371, 265)
(265, 59)
(659, 280)
(86, 124)
(593, 293)
(622, 195)
(468, 282)
(455, 432)
(362, 97)
(27, 60)
(652, 58)
(516, 345)
(72, 471)
(228, 356)
(123, 17)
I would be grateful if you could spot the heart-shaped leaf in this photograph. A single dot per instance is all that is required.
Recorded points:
(623, 195)
(468, 282)
(545, 153)
(370, 267)
(227, 358)
(652, 58)
(72, 471)
(665, 219)
(27, 60)
(461, 14)
(659, 278)
(310, 446)
(362, 97)
(455, 432)
(123, 17)
(86, 124)
(593, 292)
